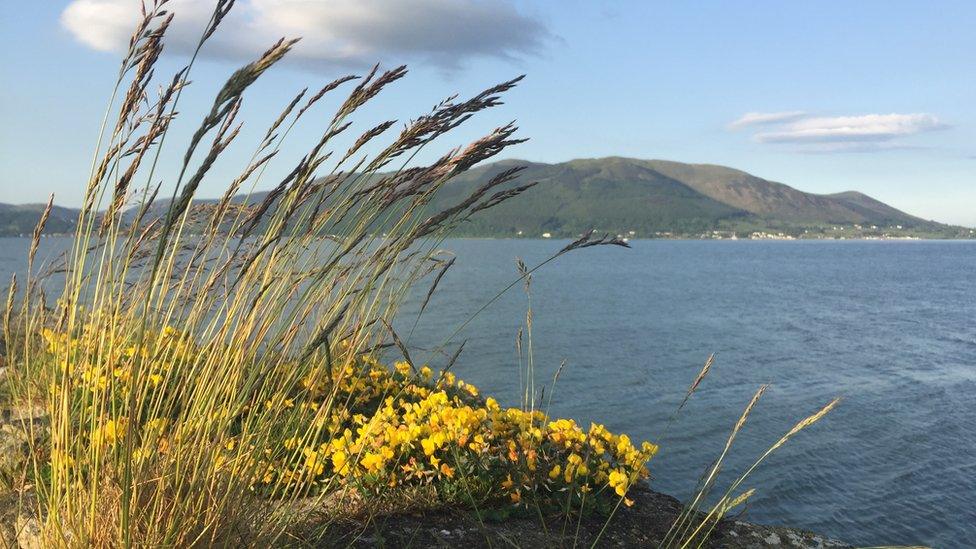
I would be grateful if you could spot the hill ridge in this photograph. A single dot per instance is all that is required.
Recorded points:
(649, 197)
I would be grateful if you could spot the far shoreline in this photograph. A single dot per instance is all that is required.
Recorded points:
(630, 239)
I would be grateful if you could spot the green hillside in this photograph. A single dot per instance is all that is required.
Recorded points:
(21, 219)
(650, 198)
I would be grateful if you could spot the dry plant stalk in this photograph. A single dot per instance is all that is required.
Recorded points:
(240, 301)
(685, 533)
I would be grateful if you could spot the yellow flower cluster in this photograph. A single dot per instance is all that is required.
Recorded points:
(362, 424)
(94, 369)
(113, 362)
(397, 428)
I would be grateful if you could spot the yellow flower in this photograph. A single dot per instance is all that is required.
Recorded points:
(623, 444)
(312, 461)
(554, 472)
(339, 463)
(372, 462)
(618, 481)
(108, 433)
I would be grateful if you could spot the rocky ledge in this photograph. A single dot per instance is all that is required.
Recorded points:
(643, 525)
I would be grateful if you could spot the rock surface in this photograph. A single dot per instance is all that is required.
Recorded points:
(643, 525)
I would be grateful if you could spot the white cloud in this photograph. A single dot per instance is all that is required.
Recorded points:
(765, 118)
(335, 33)
(862, 128)
(854, 147)
(834, 134)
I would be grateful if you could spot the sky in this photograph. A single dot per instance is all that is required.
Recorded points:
(878, 97)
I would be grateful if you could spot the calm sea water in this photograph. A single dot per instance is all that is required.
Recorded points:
(889, 326)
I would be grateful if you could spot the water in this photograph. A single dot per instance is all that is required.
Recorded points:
(889, 326)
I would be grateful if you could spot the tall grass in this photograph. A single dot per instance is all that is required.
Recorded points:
(195, 316)
(169, 362)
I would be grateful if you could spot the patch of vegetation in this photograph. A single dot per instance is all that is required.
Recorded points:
(356, 424)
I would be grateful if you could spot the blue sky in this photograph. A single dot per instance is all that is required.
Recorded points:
(878, 97)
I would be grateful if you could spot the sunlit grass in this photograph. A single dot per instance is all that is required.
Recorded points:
(209, 372)
(204, 360)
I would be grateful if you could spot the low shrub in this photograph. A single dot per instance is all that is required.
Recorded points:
(353, 424)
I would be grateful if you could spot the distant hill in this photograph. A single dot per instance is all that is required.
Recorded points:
(619, 195)
(655, 196)
(21, 219)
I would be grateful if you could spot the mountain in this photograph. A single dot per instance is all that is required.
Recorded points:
(655, 196)
(21, 219)
(769, 199)
(873, 209)
(648, 197)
